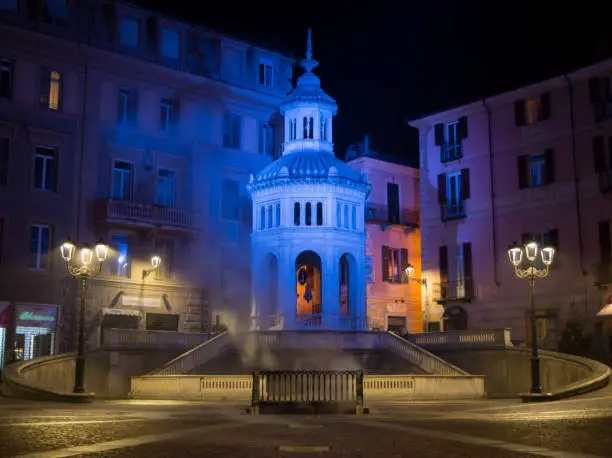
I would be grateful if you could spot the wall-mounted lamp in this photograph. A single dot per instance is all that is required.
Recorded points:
(155, 262)
(410, 273)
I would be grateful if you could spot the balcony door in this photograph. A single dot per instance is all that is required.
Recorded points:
(122, 180)
(166, 188)
(456, 271)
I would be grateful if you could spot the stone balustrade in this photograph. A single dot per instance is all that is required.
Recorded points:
(147, 339)
(463, 339)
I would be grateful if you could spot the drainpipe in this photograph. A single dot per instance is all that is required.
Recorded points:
(570, 89)
(492, 184)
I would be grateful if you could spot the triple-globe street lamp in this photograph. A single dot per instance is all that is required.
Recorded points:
(531, 250)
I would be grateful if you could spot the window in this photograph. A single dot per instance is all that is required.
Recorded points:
(266, 75)
(266, 138)
(121, 265)
(123, 106)
(9, 5)
(122, 181)
(308, 126)
(319, 213)
(455, 272)
(394, 264)
(170, 45)
(449, 138)
(533, 110)
(537, 170)
(296, 213)
(50, 89)
(262, 218)
(278, 215)
(231, 131)
(168, 114)
(45, 169)
(346, 217)
(393, 203)
(129, 31)
(4, 160)
(40, 241)
(6, 78)
(270, 216)
(164, 248)
(166, 188)
(308, 218)
(338, 215)
(230, 200)
(354, 218)
(453, 190)
(323, 128)
(56, 11)
(292, 129)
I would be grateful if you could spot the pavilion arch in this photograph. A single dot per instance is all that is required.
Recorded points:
(348, 284)
(308, 283)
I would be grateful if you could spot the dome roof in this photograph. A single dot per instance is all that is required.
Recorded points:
(315, 164)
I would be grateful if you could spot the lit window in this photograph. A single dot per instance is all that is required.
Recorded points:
(122, 181)
(120, 267)
(54, 91)
(40, 241)
(533, 109)
(537, 170)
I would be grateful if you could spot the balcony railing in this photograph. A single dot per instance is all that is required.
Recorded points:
(376, 213)
(145, 215)
(460, 290)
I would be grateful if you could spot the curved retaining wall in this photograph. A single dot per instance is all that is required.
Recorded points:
(507, 372)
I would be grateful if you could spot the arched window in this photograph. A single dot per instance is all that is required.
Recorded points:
(308, 217)
(277, 215)
(354, 217)
(305, 127)
(262, 218)
(311, 127)
(296, 213)
(338, 215)
(319, 213)
(269, 216)
(346, 220)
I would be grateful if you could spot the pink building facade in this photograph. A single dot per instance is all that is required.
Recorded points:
(535, 162)
(393, 241)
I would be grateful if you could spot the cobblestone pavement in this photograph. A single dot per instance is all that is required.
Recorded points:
(580, 427)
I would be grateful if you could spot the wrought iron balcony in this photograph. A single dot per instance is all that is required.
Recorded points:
(380, 214)
(133, 214)
(459, 290)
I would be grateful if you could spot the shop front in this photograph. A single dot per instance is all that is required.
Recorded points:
(35, 330)
(6, 322)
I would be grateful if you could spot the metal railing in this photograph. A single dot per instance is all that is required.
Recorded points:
(332, 321)
(380, 214)
(307, 387)
(453, 290)
(190, 360)
(485, 338)
(146, 214)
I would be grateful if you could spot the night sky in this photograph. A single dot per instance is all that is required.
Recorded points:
(403, 59)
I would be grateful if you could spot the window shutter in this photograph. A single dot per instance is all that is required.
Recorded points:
(595, 90)
(519, 113)
(439, 134)
(545, 99)
(386, 254)
(467, 269)
(465, 183)
(133, 107)
(605, 246)
(443, 263)
(404, 262)
(549, 165)
(599, 158)
(442, 189)
(463, 127)
(522, 172)
(45, 85)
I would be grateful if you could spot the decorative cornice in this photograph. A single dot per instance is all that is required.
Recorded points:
(300, 181)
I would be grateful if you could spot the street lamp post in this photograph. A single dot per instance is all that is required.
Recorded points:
(87, 263)
(410, 273)
(531, 272)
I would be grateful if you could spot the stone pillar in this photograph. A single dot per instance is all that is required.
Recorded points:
(359, 310)
(286, 288)
(330, 276)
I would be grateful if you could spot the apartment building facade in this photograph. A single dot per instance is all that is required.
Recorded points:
(394, 300)
(531, 163)
(120, 123)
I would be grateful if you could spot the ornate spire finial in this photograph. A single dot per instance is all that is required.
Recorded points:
(309, 45)
(309, 63)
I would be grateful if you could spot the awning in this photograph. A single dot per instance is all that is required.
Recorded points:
(605, 312)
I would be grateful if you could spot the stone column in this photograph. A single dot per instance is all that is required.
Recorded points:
(359, 309)
(286, 287)
(330, 276)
